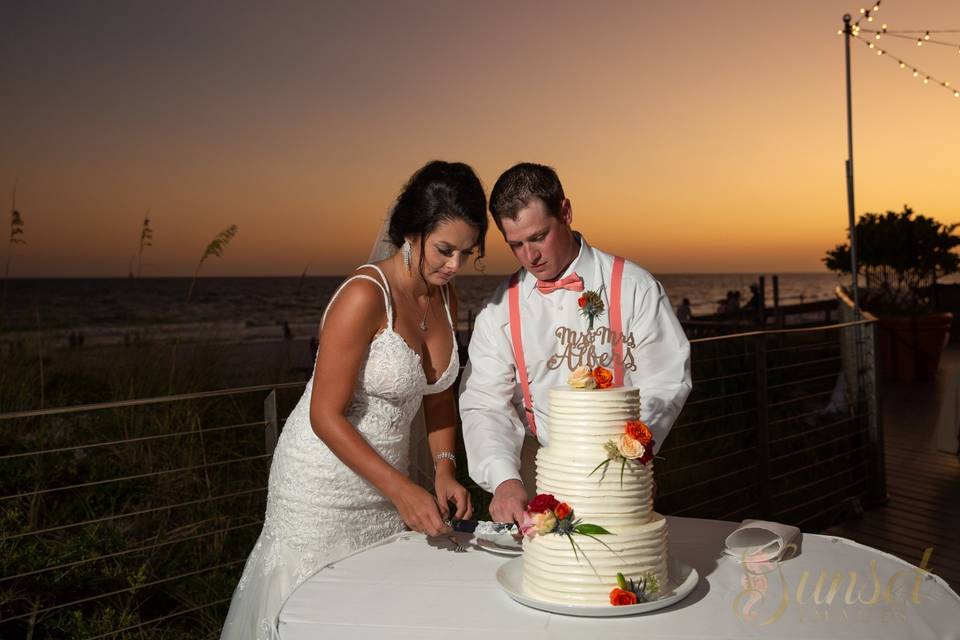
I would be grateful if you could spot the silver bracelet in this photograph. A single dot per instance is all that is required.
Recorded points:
(445, 455)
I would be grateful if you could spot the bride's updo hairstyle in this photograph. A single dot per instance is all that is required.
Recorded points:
(438, 192)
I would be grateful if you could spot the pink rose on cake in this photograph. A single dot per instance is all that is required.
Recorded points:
(630, 448)
(543, 523)
(582, 378)
(635, 445)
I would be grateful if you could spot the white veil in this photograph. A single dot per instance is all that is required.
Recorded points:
(421, 461)
(383, 247)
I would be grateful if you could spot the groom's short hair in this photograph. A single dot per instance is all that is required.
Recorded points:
(519, 185)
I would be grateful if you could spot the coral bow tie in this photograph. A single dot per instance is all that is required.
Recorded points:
(572, 282)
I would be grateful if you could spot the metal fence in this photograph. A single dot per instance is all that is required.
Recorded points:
(135, 518)
(781, 425)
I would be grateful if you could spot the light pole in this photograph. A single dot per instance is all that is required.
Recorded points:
(847, 34)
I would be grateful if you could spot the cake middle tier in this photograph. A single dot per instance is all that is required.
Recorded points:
(617, 494)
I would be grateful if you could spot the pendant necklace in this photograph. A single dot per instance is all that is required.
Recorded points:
(423, 320)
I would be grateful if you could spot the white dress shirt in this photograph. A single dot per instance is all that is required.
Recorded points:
(657, 361)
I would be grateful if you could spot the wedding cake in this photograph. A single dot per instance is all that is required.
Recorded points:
(593, 517)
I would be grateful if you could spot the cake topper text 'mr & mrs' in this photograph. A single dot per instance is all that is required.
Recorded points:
(591, 348)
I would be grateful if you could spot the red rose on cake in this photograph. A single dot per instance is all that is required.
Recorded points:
(543, 502)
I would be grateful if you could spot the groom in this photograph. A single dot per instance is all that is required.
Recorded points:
(533, 323)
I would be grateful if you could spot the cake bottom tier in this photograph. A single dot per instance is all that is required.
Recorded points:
(554, 572)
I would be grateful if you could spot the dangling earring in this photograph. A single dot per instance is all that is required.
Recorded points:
(405, 251)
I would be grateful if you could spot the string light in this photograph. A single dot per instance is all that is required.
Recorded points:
(867, 13)
(922, 36)
(926, 77)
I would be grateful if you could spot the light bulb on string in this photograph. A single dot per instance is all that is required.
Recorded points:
(919, 42)
(879, 52)
(926, 36)
(915, 73)
(902, 65)
(926, 80)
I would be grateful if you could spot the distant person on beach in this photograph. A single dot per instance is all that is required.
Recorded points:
(683, 311)
(537, 313)
(729, 305)
(339, 477)
(754, 304)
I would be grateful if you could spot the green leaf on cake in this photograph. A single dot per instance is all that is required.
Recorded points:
(602, 464)
(591, 530)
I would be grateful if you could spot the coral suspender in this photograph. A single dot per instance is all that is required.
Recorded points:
(513, 298)
(616, 326)
(616, 321)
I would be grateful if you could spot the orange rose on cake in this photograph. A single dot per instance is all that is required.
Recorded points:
(603, 377)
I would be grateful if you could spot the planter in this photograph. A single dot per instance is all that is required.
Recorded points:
(910, 346)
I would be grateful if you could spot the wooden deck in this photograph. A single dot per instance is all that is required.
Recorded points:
(923, 483)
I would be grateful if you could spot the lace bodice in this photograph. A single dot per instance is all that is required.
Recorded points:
(318, 509)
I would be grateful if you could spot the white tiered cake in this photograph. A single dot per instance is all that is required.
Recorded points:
(617, 498)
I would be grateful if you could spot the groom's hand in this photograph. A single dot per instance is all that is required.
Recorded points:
(509, 501)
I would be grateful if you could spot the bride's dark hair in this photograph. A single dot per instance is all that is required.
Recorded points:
(438, 192)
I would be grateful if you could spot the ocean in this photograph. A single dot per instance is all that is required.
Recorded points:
(121, 310)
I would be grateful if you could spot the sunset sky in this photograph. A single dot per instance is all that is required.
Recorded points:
(700, 136)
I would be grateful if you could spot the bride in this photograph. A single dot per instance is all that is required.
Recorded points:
(338, 480)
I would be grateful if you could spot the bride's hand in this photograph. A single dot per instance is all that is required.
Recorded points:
(449, 490)
(419, 509)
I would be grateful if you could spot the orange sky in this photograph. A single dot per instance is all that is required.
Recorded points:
(695, 137)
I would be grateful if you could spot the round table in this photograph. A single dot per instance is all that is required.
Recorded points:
(410, 586)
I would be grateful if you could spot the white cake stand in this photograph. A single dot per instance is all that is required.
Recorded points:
(682, 580)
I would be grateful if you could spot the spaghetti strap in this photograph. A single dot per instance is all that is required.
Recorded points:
(445, 293)
(384, 289)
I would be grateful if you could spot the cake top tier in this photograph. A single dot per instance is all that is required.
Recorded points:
(594, 405)
(610, 394)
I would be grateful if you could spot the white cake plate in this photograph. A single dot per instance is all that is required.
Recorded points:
(682, 580)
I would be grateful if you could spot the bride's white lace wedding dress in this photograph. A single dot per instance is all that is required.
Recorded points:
(318, 509)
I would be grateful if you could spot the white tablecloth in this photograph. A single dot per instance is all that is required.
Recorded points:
(414, 587)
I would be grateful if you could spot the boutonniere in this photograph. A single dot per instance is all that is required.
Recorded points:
(591, 305)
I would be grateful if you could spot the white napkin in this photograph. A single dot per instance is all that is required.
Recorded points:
(759, 540)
